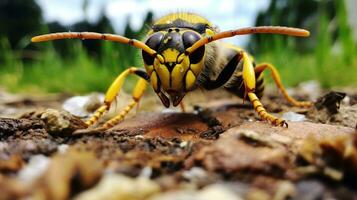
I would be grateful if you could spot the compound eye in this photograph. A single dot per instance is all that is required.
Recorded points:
(189, 38)
(153, 42)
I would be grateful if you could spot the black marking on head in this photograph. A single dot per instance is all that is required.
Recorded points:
(179, 23)
(170, 66)
(189, 38)
(153, 42)
(172, 40)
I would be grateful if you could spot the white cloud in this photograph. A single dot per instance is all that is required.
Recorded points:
(65, 11)
(227, 14)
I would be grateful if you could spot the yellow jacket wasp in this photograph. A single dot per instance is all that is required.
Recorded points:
(180, 54)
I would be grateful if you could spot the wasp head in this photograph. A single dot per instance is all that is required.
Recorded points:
(172, 73)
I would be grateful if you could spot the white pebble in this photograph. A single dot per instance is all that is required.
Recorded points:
(146, 172)
(77, 105)
(293, 117)
(36, 166)
(195, 173)
(62, 148)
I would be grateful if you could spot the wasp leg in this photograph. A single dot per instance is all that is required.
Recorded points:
(137, 94)
(250, 83)
(114, 90)
(277, 80)
(258, 107)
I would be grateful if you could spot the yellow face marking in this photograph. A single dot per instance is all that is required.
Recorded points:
(163, 74)
(190, 80)
(160, 58)
(170, 55)
(167, 39)
(178, 73)
(154, 81)
(197, 68)
(209, 32)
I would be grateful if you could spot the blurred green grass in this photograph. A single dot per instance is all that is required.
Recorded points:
(51, 73)
(82, 74)
(295, 68)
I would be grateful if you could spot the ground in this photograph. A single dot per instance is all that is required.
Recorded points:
(218, 149)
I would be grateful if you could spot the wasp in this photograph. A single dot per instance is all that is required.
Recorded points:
(183, 52)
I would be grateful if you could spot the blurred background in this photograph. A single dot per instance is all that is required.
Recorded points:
(75, 66)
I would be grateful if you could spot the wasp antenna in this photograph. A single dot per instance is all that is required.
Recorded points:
(274, 30)
(250, 30)
(94, 36)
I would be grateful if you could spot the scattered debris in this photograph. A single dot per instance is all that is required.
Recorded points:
(347, 116)
(9, 127)
(331, 102)
(215, 125)
(329, 110)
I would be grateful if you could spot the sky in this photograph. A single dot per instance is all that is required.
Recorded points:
(226, 14)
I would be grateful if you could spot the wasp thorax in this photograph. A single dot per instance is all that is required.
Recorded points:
(171, 71)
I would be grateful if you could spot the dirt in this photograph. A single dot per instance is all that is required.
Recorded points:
(218, 149)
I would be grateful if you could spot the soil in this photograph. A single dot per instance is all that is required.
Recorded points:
(217, 149)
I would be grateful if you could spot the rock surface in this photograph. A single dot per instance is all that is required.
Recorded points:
(218, 151)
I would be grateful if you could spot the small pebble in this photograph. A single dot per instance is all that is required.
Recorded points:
(78, 105)
(36, 166)
(146, 172)
(211, 192)
(3, 146)
(183, 144)
(195, 173)
(62, 148)
(116, 186)
(293, 117)
(168, 110)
